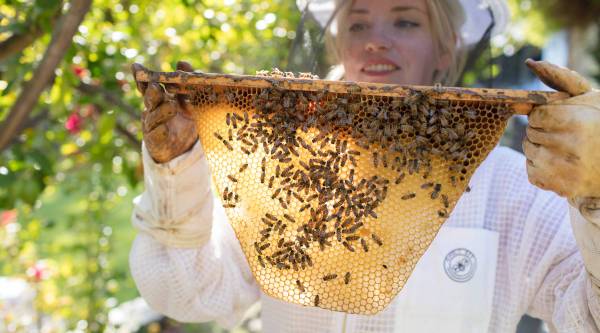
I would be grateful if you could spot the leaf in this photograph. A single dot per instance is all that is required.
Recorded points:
(43, 161)
(68, 148)
(106, 128)
(7, 180)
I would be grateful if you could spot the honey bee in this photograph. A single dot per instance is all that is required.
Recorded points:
(376, 239)
(408, 196)
(354, 89)
(300, 286)
(363, 242)
(400, 178)
(276, 193)
(275, 72)
(347, 278)
(225, 192)
(305, 75)
(445, 201)
(348, 246)
(271, 181)
(329, 277)
(282, 203)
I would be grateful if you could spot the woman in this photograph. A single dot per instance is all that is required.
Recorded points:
(507, 248)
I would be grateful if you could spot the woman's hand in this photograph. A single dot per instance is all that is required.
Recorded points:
(562, 145)
(167, 125)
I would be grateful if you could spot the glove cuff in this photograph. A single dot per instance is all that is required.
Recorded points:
(588, 207)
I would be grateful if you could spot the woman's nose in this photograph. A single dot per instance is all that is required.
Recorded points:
(377, 43)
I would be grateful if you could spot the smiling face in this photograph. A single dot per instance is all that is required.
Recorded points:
(388, 41)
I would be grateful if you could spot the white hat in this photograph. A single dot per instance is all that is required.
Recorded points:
(477, 13)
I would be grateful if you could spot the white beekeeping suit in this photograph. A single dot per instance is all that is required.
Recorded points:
(507, 249)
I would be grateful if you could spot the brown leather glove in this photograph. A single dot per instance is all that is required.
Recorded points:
(167, 125)
(563, 155)
(562, 143)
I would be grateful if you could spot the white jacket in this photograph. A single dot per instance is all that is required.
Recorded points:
(515, 244)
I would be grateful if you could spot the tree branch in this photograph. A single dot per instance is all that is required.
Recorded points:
(34, 121)
(110, 97)
(61, 40)
(19, 41)
(128, 135)
(115, 100)
(31, 122)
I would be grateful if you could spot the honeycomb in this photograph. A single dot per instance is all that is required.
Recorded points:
(335, 194)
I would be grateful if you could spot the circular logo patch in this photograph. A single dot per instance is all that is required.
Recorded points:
(460, 265)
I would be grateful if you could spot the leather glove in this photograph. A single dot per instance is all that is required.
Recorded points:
(167, 125)
(562, 145)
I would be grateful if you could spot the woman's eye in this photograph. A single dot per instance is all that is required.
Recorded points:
(356, 27)
(405, 24)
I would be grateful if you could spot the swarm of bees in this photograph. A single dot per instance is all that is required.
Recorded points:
(311, 144)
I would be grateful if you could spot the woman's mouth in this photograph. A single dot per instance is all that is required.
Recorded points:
(379, 69)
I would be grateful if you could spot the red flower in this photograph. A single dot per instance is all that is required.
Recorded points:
(73, 123)
(8, 216)
(38, 272)
(79, 71)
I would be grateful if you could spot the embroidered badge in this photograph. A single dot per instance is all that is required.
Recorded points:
(460, 265)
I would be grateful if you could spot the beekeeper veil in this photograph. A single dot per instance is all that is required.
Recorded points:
(472, 23)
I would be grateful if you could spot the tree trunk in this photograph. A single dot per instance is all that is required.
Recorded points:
(30, 93)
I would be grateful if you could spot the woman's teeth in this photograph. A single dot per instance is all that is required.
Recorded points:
(380, 68)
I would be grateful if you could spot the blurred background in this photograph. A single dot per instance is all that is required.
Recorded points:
(70, 133)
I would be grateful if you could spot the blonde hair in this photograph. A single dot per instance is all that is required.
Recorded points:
(446, 18)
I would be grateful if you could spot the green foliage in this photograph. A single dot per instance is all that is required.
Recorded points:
(532, 23)
(529, 23)
(71, 174)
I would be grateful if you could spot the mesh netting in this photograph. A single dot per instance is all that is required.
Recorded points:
(335, 190)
